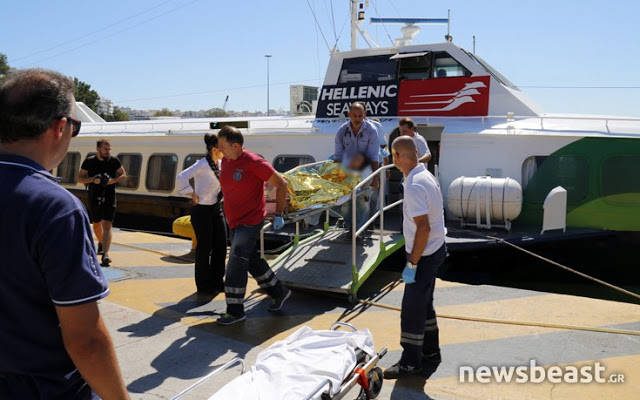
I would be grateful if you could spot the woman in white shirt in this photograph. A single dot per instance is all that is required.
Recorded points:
(206, 218)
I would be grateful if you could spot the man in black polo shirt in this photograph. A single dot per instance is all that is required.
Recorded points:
(53, 342)
(102, 172)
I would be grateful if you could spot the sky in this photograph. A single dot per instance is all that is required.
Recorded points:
(191, 54)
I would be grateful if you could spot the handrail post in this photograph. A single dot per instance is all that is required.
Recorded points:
(382, 180)
(326, 222)
(354, 229)
(265, 227)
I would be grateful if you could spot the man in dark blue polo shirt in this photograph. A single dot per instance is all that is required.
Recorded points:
(53, 342)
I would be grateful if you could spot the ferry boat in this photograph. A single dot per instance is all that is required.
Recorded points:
(476, 123)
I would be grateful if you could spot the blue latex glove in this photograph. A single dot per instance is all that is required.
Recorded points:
(278, 222)
(409, 273)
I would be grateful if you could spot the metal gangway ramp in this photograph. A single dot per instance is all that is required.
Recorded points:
(334, 260)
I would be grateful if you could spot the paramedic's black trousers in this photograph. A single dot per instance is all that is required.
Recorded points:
(418, 319)
(211, 249)
(244, 257)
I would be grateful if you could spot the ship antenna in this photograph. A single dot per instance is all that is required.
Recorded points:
(448, 38)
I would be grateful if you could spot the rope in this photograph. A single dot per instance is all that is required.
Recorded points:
(318, 24)
(607, 284)
(507, 322)
(383, 24)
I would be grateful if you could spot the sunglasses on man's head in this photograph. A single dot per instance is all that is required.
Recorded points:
(76, 123)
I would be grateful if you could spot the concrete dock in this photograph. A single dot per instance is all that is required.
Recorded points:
(166, 337)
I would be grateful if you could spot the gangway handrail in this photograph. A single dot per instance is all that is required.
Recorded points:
(355, 232)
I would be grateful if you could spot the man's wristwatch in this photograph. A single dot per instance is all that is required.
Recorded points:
(411, 265)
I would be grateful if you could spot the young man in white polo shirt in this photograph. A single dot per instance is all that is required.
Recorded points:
(407, 127)
(424, 232)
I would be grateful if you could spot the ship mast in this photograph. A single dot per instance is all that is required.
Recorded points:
(357, 16)
(409, 31)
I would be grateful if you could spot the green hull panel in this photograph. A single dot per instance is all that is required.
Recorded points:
(597, 172)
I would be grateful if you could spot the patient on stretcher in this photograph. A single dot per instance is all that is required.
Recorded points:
(361, 165)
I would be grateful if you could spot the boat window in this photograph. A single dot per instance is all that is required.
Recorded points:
(132, 164)
(445, 66)
(368, 69)
(69, 168)
(192, 159)
(415, 68)
(284, 163)
(621, 180)
(529, 168)
(570, 172)
(161, 172)
(495, 74)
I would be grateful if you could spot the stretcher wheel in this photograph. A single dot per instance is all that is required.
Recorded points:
(353, 299)
(375, 378)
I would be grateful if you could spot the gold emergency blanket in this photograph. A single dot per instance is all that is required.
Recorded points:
(321, 184)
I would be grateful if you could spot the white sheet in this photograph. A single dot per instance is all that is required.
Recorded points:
(293, 367)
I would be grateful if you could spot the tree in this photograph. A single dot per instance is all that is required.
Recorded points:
(216, 112)
(165, 112)
(119, 115)
(4, 66)
(116, 115)
(85, 94)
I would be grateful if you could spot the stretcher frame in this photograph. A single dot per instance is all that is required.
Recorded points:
(359, 274)
(346, 386)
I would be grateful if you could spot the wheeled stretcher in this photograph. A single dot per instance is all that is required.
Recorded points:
(323, 364)
(333, 260)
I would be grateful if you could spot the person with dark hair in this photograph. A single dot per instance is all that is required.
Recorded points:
(101, 173)
(424, 234)
(408, 128)
(206, 217)
(242, 178)
(53, 342)
(358, 135)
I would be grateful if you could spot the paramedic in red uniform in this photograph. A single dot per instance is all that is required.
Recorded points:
(242, 178)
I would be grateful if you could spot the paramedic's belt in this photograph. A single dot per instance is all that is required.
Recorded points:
(319, 185)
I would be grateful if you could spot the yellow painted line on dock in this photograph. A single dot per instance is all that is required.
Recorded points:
(145, 294)
(148, 295)
(140, 237)
(552, 308)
